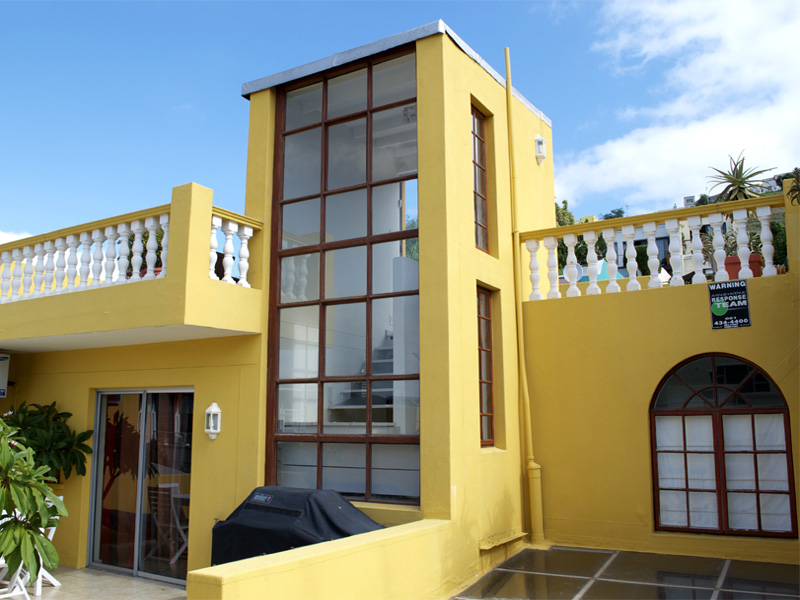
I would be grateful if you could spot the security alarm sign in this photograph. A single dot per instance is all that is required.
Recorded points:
(4, 360)
(729, 304)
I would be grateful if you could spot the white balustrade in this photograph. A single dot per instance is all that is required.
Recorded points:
(234, 238)
(691, 248)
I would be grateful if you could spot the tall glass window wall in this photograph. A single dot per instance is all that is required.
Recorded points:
(344, 368)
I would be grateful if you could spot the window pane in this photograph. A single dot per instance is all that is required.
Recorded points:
(304, 106)
(395, 336)
(345, 339)
(300, 278)
(486, 397)
(669, 433)
(344, 468)
(772, 472)
(394, 80)
(347, 154)
(671, 472)
(770, 432)
(487, 432)
(346, 272)
(297, 464)
(301, 224)
(302, 162)
(346, 407)
(701, 471)
(484, 333)
(703, 510)
(394, 142)
(673, 394)
(297, 408)
(395, 471)
(394, 207)
(697, 373)
(738, 432)
(699, 434)
(346, 215)
(742, 511)
(775, 512)
(394, 267)
(347, 94)
(731, 372)
(740, 472)
(760, 392)
(299, 343)
(672, 508)
(395, 407)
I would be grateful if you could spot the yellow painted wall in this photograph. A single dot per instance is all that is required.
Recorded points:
(594, 364)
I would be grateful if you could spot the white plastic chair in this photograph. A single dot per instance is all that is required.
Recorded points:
(44, 573)
(15, 586)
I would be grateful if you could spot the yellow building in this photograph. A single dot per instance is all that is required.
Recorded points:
(369, 325)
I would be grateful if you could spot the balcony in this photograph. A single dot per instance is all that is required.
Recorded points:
(683, 247)
(173, 272)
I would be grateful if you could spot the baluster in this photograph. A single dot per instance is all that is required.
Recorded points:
(151, 223)
(137, 227)
(61, 264)
(111, 254)
(164, 220)
(49, 266)
(302, 276)
(27, 279)
(697, 249)
(551, 243)
(653, 263)
(245, 233)
(742, 241)
(5, 283)
(629, 232)
(73, 241)
(718, 243)
(228, 229)
(38, 277)
(16, 275)
(216, 223)
(610, 236)
(570, 239)
(124, 231)
(97, 256)
(86, 260)
(675, 251)
(590, 237)
(289, 278)
(533, 249)
(767, 249)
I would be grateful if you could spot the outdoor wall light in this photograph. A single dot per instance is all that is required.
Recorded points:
(541, 149)
(213, 421)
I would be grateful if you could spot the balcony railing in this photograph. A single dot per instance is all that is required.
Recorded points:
(694, 240)
(120, 250)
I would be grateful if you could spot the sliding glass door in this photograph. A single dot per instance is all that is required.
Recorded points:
(142, 481)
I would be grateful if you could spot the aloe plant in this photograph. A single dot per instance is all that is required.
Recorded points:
(740, 183)
(30, 506)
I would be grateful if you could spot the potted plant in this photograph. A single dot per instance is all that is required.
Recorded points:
(44, 430)
(30, 506)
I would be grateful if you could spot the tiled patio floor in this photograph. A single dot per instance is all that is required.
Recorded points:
(88, 584)
(572, 573)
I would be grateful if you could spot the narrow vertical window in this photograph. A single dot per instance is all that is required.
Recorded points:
(479, 180)
(486, 389)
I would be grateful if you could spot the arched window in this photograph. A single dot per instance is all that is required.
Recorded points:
(722, 460)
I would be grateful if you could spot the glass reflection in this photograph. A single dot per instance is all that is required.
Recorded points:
(302, 164)
(395, 207)
(346, 407)
(394, 142)
(345, 339)
(299, 342)
(347, 154)
(395, 266)
(301, 224)
(346, 215)
(395, 471)
(395, 407)
(300, 278)
(347, 94)
(395, 335)
(297, 408)
(304, 106)
(346, 272)
(297, 464)
(344, 468)
(394, 80)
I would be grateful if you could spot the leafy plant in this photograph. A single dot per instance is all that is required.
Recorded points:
(794, 191)
(30, 506)
(44, 430)
(740, 183)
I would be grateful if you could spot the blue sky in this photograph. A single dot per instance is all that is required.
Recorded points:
(105, 106)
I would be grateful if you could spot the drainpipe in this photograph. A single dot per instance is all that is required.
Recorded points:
(533, 470)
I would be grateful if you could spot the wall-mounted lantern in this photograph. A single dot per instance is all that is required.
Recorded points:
(541, 149)
(213, 420)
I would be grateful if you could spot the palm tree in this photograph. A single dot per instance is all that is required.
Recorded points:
(740, 183)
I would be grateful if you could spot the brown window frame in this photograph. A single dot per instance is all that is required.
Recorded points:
(368, 439)
(480, 173)
(717, 411)
(486, 380)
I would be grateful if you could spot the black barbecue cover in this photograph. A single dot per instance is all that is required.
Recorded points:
(276, 518)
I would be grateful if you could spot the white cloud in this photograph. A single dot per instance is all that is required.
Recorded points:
(730, 87)
(9, 236)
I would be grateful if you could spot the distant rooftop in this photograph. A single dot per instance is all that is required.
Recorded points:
(387, 43)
